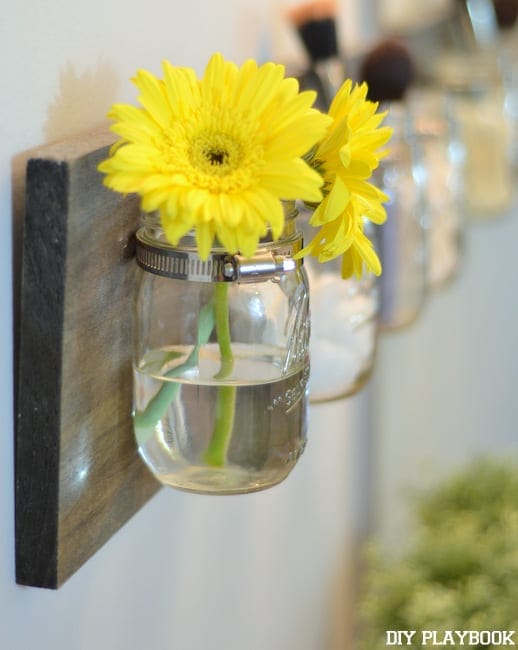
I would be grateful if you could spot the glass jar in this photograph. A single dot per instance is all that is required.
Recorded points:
(343, 331)
(401, 242)
(343, 327)
(442, 155)
(475, 87)
(221, 362)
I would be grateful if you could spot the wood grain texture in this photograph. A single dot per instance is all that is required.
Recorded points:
(78, 474)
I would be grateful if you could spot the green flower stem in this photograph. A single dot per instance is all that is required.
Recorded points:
(223, 330)
(148, 418)
(216, 452)
(145, 421)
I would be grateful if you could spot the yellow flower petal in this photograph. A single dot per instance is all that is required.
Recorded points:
(204, 238)
(366, 250)
(292, 180)
(337, 200)
(181, 89)
(152, 96)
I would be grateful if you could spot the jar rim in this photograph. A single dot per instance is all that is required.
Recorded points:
(151, 231)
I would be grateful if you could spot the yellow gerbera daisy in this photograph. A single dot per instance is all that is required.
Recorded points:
(346, 158)
(217, 154)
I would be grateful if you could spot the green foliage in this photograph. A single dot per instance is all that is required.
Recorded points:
(461, 571)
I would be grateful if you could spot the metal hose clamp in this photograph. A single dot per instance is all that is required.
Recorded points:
(218, 267)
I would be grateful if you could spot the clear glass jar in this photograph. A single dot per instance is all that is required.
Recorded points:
(343, 331)
(343, 327)
(442, 156)
(221, 362)
(475, 87)
(401, 242)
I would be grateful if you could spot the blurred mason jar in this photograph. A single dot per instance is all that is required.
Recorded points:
(402, 241)
(344, 316)
(474, 85)
(442, 156)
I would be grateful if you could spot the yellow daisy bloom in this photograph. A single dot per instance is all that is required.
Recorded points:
(346, 158)
(217, 154)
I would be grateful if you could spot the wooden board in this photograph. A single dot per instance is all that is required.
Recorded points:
(78, 474)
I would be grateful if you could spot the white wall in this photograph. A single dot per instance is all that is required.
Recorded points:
(260, 572)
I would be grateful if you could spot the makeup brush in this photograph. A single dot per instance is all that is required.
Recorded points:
(389, 71)
(315, 22)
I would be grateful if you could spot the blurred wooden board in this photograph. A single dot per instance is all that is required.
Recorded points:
(78, 474)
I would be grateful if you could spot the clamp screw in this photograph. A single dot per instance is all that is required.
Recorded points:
(229, 271)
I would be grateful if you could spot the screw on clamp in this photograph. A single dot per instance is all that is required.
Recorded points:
(259, 267)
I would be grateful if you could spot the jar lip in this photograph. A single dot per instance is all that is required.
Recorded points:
(152, 231)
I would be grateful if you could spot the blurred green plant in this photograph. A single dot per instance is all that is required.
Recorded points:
(461, 570)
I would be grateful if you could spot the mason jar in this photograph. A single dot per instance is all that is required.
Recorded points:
(220, 361)
(442, 156)
(474, 85)
(344, 329)
(401, 242)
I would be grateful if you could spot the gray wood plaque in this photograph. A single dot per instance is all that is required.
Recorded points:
(77, 471)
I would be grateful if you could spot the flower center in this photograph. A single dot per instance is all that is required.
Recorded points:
(215, 153)
(217, 157)
(215, 150)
